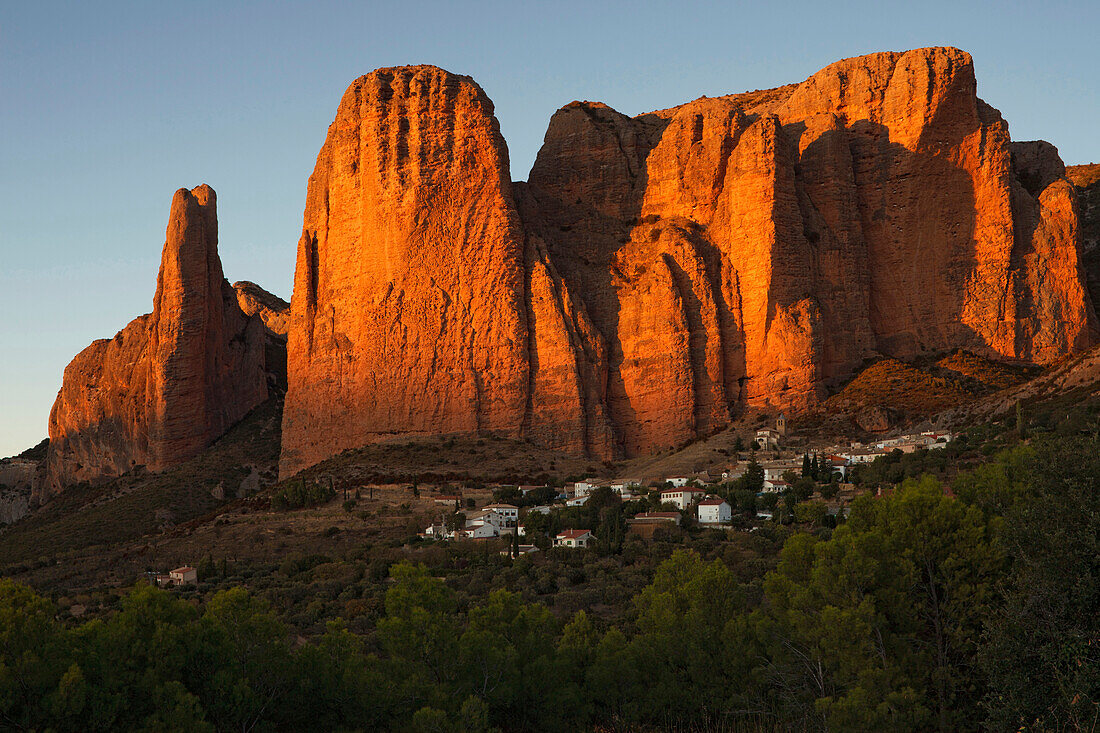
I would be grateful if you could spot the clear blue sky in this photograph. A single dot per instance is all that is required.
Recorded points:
(107, 108)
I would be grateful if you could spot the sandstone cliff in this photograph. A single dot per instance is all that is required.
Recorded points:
(659, 273)
(410, 312)
(173, 380)
(876, 208)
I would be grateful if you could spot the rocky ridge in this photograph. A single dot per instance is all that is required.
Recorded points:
(657, 274)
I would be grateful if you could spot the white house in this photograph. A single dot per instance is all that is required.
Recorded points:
(436, 531)
(500, 522)
(451, 501)
(626, 488)
(861, 455)
(775, 486)
(682, 497)
(714, 511)
(577, 501)
(837, 465)
(733, 473)
(478, 532)
(508, 511)
(776, 469)
(677, 481)
(573, 538)
(184, 576)
(583, 488)
(523, 550)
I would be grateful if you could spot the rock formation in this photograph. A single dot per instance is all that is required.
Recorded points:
(173, 380)
(410, 312)
(17, 479)
(1086, 179)
(876, 208)
(273, 310)
(659, 273)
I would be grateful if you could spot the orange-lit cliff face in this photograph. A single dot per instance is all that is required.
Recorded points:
(170, 382)
(658, 273)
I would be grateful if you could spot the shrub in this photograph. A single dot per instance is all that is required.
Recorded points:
(298, 494)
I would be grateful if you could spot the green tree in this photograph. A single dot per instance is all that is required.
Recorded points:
(507, 652)
(243, 667)
(419, 635)
(338, 687)
(753, 478)
(139, 659)
(681, 619)
(810, 512)
(878, 626)
(34, 661)
(1042, 648)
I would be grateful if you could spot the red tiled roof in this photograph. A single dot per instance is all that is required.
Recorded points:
(573, 534)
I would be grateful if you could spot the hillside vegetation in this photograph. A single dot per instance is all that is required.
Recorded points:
(142, 503)
(913, 391)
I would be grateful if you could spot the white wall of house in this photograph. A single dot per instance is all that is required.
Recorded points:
(505, 510)
(682, 498)
(714, 513)
(579, 541)
(583, 488)
(482, 531)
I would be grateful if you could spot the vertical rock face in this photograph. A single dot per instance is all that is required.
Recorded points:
(659, 273)
(1086, 180)
(170, 382)
(876, 208)
(410, 312)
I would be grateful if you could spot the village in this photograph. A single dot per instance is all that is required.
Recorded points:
(671, 501)
(763, 485)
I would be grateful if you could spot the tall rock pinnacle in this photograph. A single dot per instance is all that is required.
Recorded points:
(170, 382)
